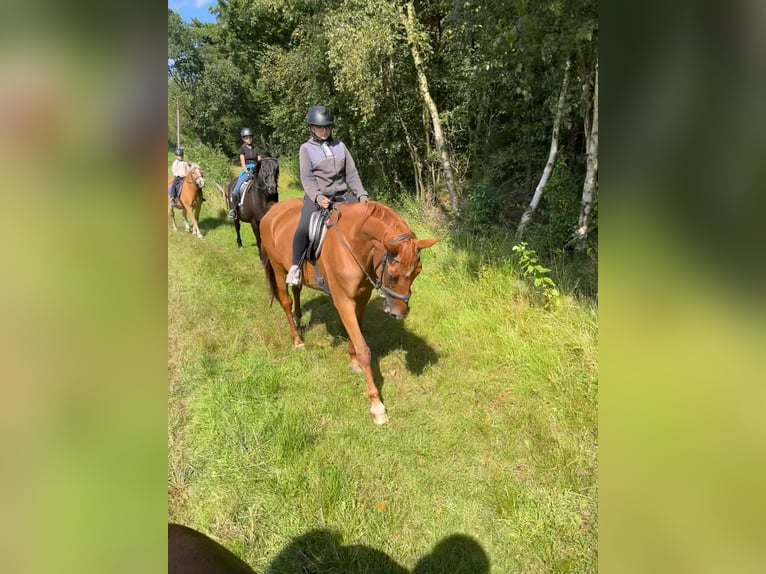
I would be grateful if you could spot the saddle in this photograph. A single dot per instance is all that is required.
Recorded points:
(317, 234)
(243, 189)
(318, 226)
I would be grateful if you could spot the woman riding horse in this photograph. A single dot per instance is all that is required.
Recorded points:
(367, 247)
(189, 200)
(258, 198)
(327, 172)
(248, 159)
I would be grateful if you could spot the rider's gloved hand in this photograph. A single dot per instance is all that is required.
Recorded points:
(323, 201)
(363, 199)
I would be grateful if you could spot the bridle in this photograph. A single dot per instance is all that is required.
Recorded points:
(198, 179)
(264, 187)
(376, 283)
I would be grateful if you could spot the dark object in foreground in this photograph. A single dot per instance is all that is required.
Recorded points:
(191, 552)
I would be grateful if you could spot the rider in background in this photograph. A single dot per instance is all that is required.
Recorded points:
(248, 159)
(180, 169)
(327, 173)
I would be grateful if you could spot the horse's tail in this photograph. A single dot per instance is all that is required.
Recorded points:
(270, 276)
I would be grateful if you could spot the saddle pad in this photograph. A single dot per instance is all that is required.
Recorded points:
(317, 233)
(243, 190)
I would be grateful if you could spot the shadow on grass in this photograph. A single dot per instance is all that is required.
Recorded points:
(323, 551)
(383, 334)
(210, 223)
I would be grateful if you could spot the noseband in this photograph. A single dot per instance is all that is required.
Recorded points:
(384, 262)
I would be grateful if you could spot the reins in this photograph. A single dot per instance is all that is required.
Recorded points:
(378, 283)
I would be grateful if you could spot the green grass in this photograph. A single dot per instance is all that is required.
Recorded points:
(492, 405)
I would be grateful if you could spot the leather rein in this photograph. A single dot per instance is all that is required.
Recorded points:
(377, 284)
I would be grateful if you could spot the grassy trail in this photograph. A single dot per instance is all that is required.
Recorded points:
(492, 404)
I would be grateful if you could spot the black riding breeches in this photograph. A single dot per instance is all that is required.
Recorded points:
(175, 187)
(301, 238)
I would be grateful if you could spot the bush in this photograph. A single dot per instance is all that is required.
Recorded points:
(481, 207)
(217, 166)
(556, 217)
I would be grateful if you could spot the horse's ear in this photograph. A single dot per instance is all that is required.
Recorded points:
(426, 243)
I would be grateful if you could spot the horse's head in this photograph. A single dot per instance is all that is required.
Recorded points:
(401, 265)
(268, 176)
(196, 175)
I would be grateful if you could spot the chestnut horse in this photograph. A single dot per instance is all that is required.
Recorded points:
(262, 194)
(367, 247)
(189, 199)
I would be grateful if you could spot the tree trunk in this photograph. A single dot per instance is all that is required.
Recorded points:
(417, 166)
(441, 147)
(589, 186)
(551, 158)
(431, 190)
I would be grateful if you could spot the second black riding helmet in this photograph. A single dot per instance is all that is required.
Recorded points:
(319, 116)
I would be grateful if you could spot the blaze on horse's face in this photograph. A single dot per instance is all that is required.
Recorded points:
(400, 268)
(196, 174)
(269, 173)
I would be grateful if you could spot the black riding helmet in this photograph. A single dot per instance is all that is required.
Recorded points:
(180, 151)
(319, 116)
(246, 132)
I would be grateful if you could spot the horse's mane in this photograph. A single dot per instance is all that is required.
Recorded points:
(397, 226)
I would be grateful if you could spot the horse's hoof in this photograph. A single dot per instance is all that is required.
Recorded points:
(240, 247)
(379, 416)
(300, 345)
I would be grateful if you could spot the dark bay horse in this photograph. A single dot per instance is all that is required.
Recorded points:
(367, 246)
(256, 201)
(191, 552)
(189, 199)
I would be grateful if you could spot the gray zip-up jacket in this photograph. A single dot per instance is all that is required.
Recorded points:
(328, 169)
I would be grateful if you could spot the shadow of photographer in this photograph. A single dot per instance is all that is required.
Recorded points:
(321, 551)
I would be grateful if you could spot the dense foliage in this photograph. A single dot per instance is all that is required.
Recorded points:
(494, 71)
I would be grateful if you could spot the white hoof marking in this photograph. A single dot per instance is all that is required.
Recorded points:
(378, 414)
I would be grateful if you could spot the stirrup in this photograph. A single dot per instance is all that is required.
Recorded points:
(294, 277)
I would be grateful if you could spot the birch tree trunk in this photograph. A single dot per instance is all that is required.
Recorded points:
(431, 191)
(439, 142)
(551, 158)
(589, 186)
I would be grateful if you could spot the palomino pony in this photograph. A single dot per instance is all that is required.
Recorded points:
(367, 247)
(255, 201)
(189, 199)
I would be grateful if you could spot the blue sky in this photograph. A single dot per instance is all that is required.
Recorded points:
(189, 9)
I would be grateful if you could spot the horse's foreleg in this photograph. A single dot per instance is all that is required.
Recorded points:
(361, 305)
(172, 216)
(236, 226)
(197, 209)
(189, 213)
(257, 233)
(348, 315)
(297, 313)
(284, 301)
